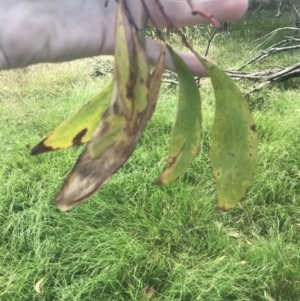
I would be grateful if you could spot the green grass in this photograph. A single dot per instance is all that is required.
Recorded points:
(133, 235)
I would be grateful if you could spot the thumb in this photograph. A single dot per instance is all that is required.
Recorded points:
(153, 52)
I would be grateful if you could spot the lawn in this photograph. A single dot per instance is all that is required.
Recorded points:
(134, 240)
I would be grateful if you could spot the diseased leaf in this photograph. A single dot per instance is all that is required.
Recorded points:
(79, 128)
(122, 68)
(234, 142)
(187, 131)
(118, 131)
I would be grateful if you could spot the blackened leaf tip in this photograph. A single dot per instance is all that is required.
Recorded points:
(77, 140)
(41, 148)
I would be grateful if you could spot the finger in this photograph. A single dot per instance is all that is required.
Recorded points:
(153, 51)
(222, 10)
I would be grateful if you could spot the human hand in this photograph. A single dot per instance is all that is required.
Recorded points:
(61, 30)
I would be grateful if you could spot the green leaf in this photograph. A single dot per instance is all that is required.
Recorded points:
(187, 131)
(79, 128)
(234, 143)
(118, 131)
(122, 67)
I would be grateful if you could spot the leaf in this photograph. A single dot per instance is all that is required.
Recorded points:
(187, 132)
(234, 142)
(148, 292)
(117, 134)
(122, 67)
(79, 128)
(38, 285)
(235, 234)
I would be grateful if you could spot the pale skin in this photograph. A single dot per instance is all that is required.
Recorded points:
(35, 31)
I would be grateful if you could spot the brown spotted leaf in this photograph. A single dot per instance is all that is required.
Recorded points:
(118, 131)
(79, 128)
(187, 132)
(234, 142)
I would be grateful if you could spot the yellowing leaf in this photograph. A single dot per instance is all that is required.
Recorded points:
(79, 128)
(187, 131)
(234, 143)
(118, 131)
(38, 286)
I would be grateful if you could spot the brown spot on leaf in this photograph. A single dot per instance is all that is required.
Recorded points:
(129, 92)
(42, 148)
(77, 139)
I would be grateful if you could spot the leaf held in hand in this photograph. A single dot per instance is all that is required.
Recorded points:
(187, 131)
(234, 143)
(79, 128)
(119, 129)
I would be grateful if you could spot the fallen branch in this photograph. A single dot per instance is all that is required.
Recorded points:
(274, 49)
(272, 34)
(276, 77)
(261, 78)
(265, 77)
